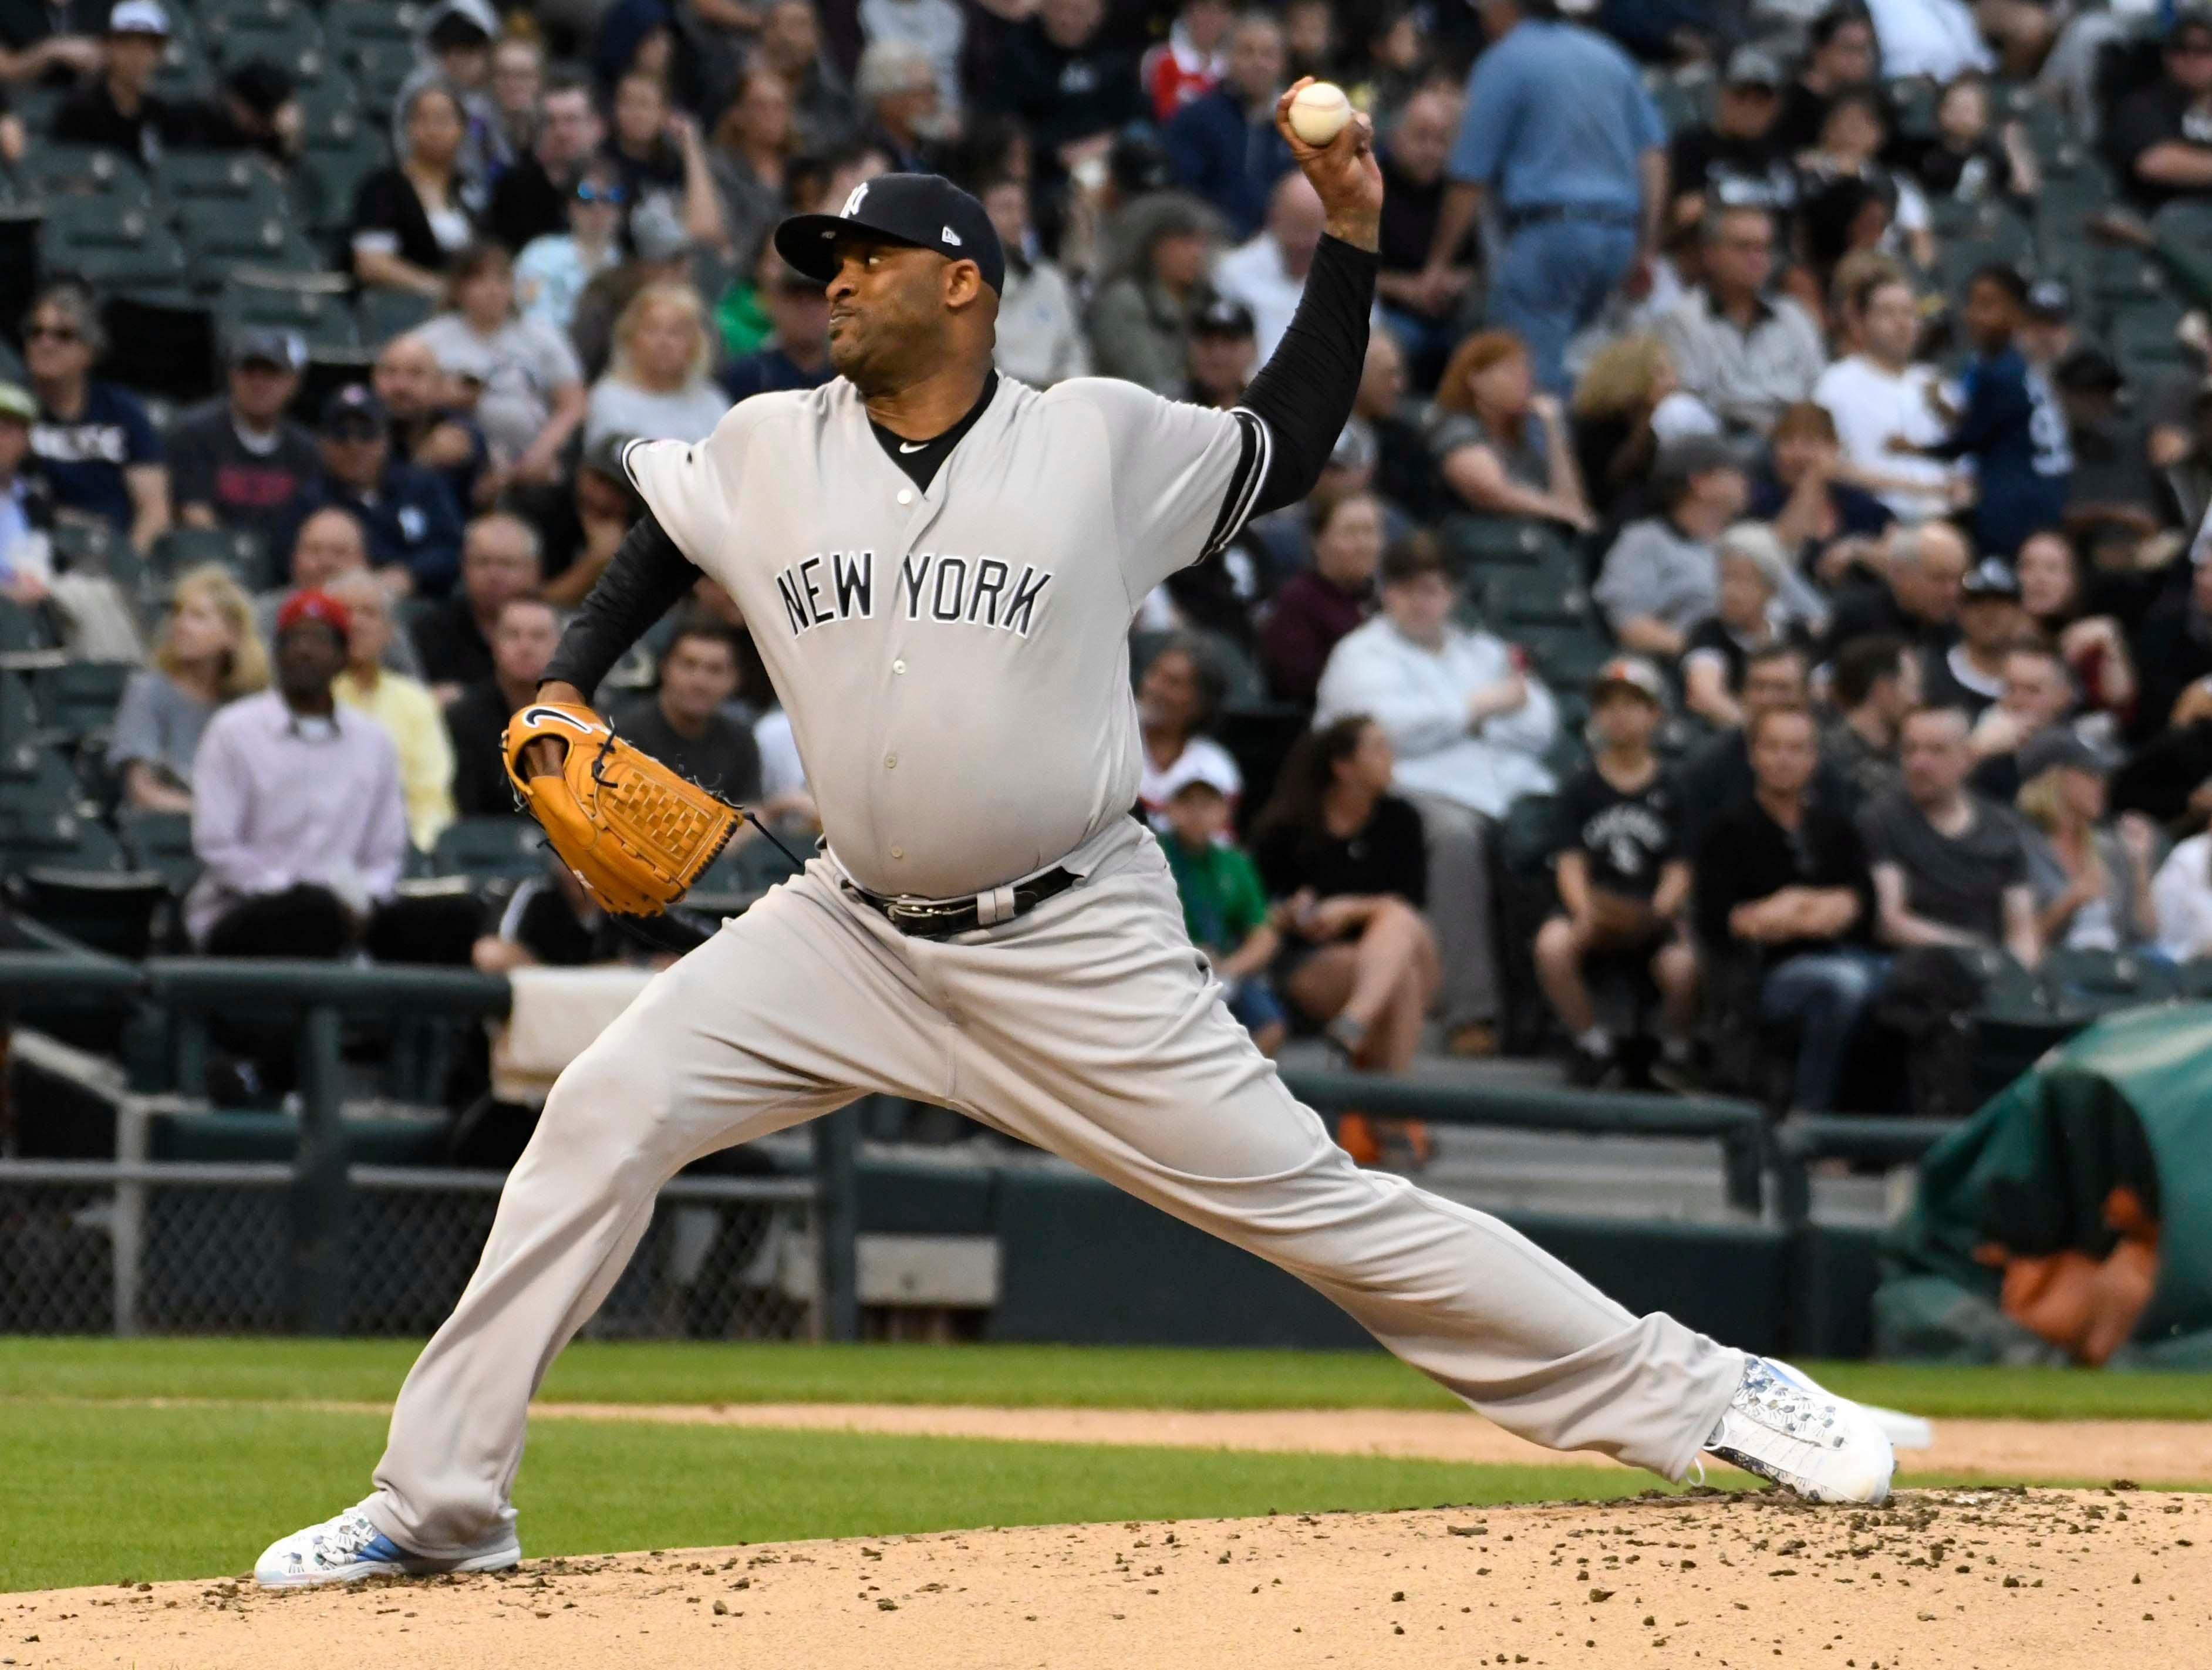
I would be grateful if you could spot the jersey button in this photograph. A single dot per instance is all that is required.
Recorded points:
(898, 666)
(906, 495)
(898, 851)
(891, 762)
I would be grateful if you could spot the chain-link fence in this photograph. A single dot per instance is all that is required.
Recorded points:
(92, 1246)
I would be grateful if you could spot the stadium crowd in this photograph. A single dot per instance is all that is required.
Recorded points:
(1763, 561)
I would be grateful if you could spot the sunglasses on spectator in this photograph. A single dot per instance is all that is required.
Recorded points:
(608, 194)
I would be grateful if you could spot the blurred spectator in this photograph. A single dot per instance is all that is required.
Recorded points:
(414, 527)
(454, 48)
(659, 385)
(1501, 444)
(524, 633)
(1783, 902)
(410, 219)
(684, 725)
(403, 706)
(754, 144)
(1316, 607)
(550, 922)
(1178, 694)
(1560, 137)
(1225, 144)
(1140, 320)
(1469, 726)
(1225, 908)
(26, 562)
(2092, 876)
(790, 45)
(554, 268)
(797, 354)
(1831, 529)
(1224, 354)
(117, 109)
(936, 28)
(1847, 200)
(2113, 486)
(2173, 648)
(1940, 39)
(1309, 36)
(1268, 273)
(429, 431)
(1629, 407)
(1917, 598)
(330, 543)
(208, 652)
(1949, 868)
(93, 442)
(1622, 877)
(1422, 304)
(1404, 473)
(533, 395)
(1969, 158)
(1191, 62)
(1748, 619)
(2036, 697)
(1840, 53)
(501, 559)
(602, 507)
(2181, 897)
(239, 462)
(1071, 87)
(1879, 393)
(518, 87)
(2093, 645)
(1041, 340)
(1874, 683)
(1970, 674)
(2155, 136)
(533, 196)
(1717, 775)
(662, 158)
(1659, 581)
(897, 87)
(1744, 350)
(296, 809)
(49, 43)
(1736, 158)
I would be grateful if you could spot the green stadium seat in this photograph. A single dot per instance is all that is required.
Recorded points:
(185, 178)
(50, 170)
(185, 71)
(78, 698)
(239, 551)
(222, 236)
(1481, 542)
(1515, 598)
(347, 26)
(314, 304)
(490, 849)
(2094, 981)
(122, 252)
(161, 841)
(120, 912)
(23, 631)
(1567, 657)
(380, 66)
(387, 312)
(284, 32)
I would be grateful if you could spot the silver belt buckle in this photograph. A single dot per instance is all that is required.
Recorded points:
(909, 912)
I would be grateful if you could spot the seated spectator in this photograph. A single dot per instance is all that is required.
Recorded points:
(330, 544)
(239, 462)
(786, 800)
(1916, 597)
(52, 43)
(524, 635)
(26, 557)
(659, 154)
(2181, 897)
(1224, 144)
(1784, 903)
(403, 706)
(1874, 683)
(2173, 648)
(412, 218)
(1469, 726)
(533, 388)
(553, 268)
(1969, 158)
(501, 559)
(1317, 606)
(1224, 354)
(427, 430)
(1344, 858)
(1041, 340)
(1716, 774)
(1404, 474)
(1629, 407)
(518, 88)
(411, 522)
(1827, 526)
(1189, 64)
(1970, 675)
(1178, 694)
(602, 507)
(454, 48)
(902, 102)
(2092, 876)
(683, 726)
(790, 43)
(1064, 76)
(2154, 135)
(1734, 158)
(659, 384)
(1949, 868)
(2037, 697)
(1489, 451)
(533, 193)
(1224, 908)
(119, 110)
(94, 444)
(1140, 317)
(1840, 52)
(1743, 350)
(1267, 273)
(1847, 200)
(1617, 859)
(208, 653)
(1748, 619)
(550, 922)
(753, 144)
(1422, 304)
(1879, 393)
(796, 355)
(2113, 491)
(1658, 582)
(2094, 647)
(297, 813)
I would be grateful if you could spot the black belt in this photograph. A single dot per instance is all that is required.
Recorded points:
(1518, 218)
(941, 918)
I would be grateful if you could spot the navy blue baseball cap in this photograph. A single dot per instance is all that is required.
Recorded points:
(921, 211)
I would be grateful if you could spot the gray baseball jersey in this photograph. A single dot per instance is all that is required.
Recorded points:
(955, 658)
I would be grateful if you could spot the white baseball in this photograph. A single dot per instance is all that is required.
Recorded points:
(1319, 113)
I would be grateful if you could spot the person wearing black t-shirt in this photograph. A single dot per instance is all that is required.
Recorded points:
(1783, 901)
(2160, 136)
(685, 727)
(1841, 53)
(1621, 876)
(117, 111)
(1734, 160)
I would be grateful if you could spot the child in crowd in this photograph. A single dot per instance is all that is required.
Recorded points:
(1224, 907)
(1622, 877)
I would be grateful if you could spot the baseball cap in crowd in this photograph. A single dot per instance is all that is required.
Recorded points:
(16, 404)
(2089, 370)
(1222, 317)
(315, 606)
(2050, 301)
(1749, 66)
(1629, 672)
(1217, 775)
(921, 211)
(1139, 163)
(2055, 746)
(354, 410)
(262, 86)
(1992, 577)
(270, 345)
(138, 17)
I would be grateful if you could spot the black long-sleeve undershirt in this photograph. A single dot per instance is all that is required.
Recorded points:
(646, 578)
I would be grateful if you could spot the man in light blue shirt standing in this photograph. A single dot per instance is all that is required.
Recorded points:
(1562, 142)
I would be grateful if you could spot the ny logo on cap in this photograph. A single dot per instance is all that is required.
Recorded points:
(951, 237)
(852, 204)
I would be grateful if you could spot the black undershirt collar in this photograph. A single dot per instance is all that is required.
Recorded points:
(921, 460)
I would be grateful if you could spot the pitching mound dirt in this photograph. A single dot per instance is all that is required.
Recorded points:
(1989, 1580)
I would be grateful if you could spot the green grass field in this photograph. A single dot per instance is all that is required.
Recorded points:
(104, 1494)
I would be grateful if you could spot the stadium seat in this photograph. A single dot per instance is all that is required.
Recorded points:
(121, 912)
(23, 631)
(2094, 981)
(314, 304)
(78, 698)
(234, 548)
(185, 71)
(162, 841)
(337, 156)
(51, 170)
(184, 178)
(387, 312)
(490, 849)
(1567, 657)
(223, 236)
(283, 31)
(118, 253)
(378, 65)
(1515, 598)
(1474, 541)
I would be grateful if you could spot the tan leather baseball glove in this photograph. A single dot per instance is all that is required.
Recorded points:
(636, 834)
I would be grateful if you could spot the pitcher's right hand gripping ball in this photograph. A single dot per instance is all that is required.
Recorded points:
(636, 834)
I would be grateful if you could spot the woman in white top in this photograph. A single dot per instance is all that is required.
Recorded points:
(533, 387)
(412, 219)
(660, 384)
(2181, 896)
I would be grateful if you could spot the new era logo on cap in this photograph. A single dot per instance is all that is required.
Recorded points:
(951, 237)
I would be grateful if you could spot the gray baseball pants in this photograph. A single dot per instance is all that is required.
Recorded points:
(1086, 1027)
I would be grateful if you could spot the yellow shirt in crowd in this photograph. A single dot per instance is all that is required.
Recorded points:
(410, 716)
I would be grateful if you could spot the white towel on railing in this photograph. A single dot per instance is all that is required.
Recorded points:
(556, 1013)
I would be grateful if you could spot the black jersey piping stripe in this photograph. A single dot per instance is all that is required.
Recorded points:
(1251, 473)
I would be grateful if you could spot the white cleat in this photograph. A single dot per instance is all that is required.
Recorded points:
(1782, 1426)
(350, 1547)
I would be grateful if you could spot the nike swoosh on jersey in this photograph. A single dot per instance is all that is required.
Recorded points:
(912, 446)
